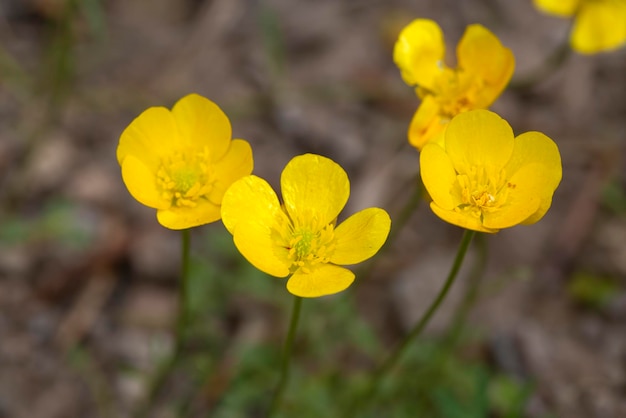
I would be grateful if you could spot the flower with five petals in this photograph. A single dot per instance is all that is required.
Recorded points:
(482, 178)
(300, 238)
(181, 162)
(484, 67)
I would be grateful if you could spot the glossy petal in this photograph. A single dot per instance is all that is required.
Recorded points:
(150, 136)
(522, 202)
(438, 175)
(202, 123)
(599, 26)
(141, 184)
(234, 165)
(325, 280)
(314, 189)
(419, 52)
(255, 241)
(558, 7)
(251, 211)
(187, 217)
(250, 197)
(461, 219)
(360, 236)
(479, 138)
(536, 148)
(477, 47)
(427, 123)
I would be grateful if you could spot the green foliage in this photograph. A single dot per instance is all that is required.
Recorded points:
(614, 197)
(335, 352)
(592, 291)
(56, 222)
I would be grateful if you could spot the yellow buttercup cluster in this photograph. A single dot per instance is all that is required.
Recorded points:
(300, 238)
(478, 174)
(483, 178)
(181, 162)
(484, 67)
(599, 25)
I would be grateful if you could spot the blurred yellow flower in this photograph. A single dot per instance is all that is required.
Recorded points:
(599, 25)
(181, 162)
(300, 237)
(484, 67)
(484, 179)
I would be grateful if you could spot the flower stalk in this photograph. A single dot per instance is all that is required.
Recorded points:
(395, 357)
(182, 321)
(284, 372)
(183, 289)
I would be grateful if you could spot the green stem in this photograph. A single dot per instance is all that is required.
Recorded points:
(391, 361)
(472, 291)
(284, 373)
(167, 365)
(183, 291)
(452, 336)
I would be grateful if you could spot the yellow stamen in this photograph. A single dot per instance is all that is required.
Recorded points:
(482, 192)
(306, 246)
(186, 177)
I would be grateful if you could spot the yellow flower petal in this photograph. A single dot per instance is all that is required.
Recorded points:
(187, 217)
(360, 236)
(427, 123)
(248, 198)
(477, 47)
(234, 165)
(314, 190)
(537, 148)
(523, 199)
(419, 52)
(438, 175)
(140, 182)
(558, 7)
(256, 242)
(599, 26)
(250, 211)
(544, 205)
(461, 219)
(479, 138)
(324, 280)
(202, 123)
(150, 136)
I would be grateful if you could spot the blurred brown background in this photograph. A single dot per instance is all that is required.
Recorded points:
(88, 277)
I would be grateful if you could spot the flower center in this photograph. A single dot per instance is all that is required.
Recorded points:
(480, 191)
(308, 247)
(185, 177)
(455, 91)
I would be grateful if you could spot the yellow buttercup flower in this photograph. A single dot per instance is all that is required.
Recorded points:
(181, 162)
(300, 238)
(599, 25)
(484, 67)
(484, 179)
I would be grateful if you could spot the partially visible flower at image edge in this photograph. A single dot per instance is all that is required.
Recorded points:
(300, 238)
(484, 68)
(181, 162)
(484, 179)
(599, 25)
